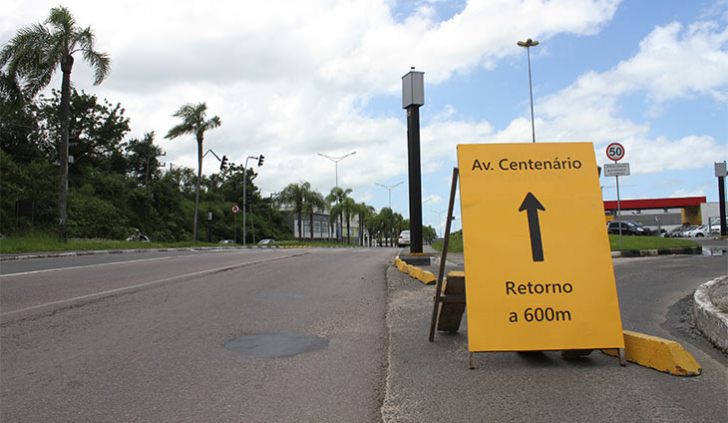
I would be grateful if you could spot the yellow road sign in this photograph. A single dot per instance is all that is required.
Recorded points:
(537, 257)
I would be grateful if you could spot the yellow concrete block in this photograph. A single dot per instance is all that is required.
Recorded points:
(427, 277)
(658, 353)
(396, 262)
(402, 266)
(414, 271)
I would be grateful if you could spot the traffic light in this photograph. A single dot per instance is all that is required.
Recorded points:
(223, 163)
(260, 160)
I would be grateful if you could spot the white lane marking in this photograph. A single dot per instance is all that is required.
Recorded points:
(141, 285)
(56, 269)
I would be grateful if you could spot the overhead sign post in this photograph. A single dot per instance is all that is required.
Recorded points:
(537, 258)
(720, 173)
(615, 152)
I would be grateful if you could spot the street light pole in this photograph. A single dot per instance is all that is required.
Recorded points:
(390, 188)
(439, 215)
(245, 193)
(336, 161)
(528, 44)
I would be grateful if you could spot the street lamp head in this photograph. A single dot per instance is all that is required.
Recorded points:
(337, 159)
(528, 43)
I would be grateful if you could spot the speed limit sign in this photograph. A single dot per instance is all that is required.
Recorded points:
(235, 209)
(615, 151)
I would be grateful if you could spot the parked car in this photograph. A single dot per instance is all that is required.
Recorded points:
(628, 228)
(679, 231)
(227, 241)
(404, 238)
(266, 241)
(698, 232)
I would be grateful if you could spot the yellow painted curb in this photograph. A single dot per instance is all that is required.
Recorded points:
(427, 277)
(658, 353)
(414, 271)
(423, 276)
(402, 266)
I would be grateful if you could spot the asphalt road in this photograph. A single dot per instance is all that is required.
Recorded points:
(148, 338)
(316, 335)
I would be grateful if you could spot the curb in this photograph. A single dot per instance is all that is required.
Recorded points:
(657, 353)
(424, 276)
(708, 318)
(696, 250)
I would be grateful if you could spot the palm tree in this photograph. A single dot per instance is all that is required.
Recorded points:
(294, 195)
(338, 195)
(363, 211)
(28, 63)
(387, 223)
(193, 122)
(313, 201)
(348, 209)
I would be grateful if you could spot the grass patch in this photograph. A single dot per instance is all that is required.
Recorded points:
(50, 243)
(454, 245)
(647, 243)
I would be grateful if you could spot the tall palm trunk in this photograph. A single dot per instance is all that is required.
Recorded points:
(66, 66)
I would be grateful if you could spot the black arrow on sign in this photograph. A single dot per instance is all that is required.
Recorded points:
(532, 206)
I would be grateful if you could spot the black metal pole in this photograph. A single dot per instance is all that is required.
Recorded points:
(415, 178)
(721, 199)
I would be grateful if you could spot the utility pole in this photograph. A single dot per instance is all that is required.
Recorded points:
(336, 161)
(260, 160)
(413, 96)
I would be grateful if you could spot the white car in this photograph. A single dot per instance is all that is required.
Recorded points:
(698, 232)
(404, 238)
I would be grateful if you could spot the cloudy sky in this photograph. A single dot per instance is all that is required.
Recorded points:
(291, 79)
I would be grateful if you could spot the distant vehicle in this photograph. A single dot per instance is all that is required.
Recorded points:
(404, 238)
(678, 232)
(227, 241)
(266, 241)
(139, 238)
(698, 232)
(628, 228)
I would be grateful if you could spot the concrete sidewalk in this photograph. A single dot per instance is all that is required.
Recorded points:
(431, 381)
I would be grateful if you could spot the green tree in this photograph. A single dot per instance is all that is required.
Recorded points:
(387, 218)
(295, 195)
(29, 61)
(194, 121)
(143, 159)
(96, 132)
(338, 195)
(429, 234)
(313, 201)
(363, 211)
(374, 224)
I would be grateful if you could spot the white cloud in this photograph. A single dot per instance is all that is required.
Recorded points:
(290, 79)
